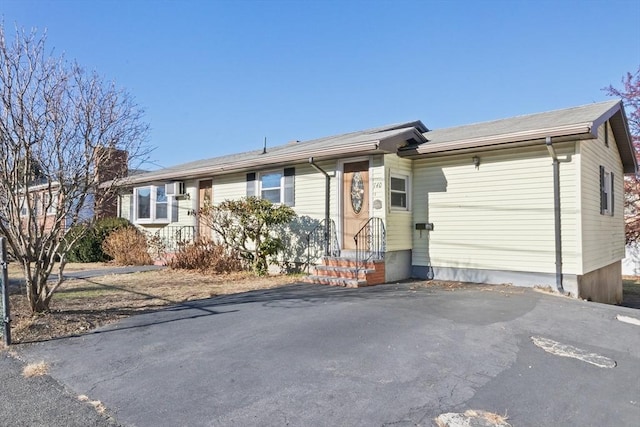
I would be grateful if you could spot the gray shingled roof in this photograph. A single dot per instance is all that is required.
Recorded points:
(380, 139)
(571, 123)
(549, 119)
(413, 139)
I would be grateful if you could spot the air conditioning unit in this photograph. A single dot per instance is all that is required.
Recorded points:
(175, 188)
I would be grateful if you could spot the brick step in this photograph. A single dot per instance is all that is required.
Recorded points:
(345, 272)
(350, 262)
(335, 281)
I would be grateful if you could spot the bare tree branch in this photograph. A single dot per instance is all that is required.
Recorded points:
(630, 95)
(63, 131)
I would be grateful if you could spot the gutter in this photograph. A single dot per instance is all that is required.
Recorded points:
(556, 213)
(327, 199)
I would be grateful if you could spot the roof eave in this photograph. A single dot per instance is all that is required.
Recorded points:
(578, 131)
(385, 145)
(366, 147)
(624, 142)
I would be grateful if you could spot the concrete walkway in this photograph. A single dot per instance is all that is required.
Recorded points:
(106, 271)
(97, 272)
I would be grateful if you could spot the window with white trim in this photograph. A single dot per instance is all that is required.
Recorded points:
(151, 204)
(270, 186)
(275, 186)
(399, 192)
(607, 185)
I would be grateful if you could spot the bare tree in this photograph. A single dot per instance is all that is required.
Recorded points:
(630, 95)
(62, 132)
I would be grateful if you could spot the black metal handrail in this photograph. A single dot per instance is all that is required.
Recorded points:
(370, 242)
(173, 235)
(322, 240)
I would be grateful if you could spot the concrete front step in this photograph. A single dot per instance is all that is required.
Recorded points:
(335, 281)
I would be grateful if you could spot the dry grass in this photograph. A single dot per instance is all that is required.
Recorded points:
(449, 285)
(81, 305)
(472, 417)
(99, 407)
(35, 370)
(490, 417)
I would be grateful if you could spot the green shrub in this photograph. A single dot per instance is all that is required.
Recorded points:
(127, 246)
(105, 226)
(85, 249)
(89, 247)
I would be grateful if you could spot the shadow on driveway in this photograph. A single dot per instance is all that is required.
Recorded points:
(295, 296)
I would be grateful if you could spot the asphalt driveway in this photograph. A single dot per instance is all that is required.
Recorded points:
(399, 355)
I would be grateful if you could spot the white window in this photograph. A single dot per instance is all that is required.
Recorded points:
(275, 186)
(270, 186)
(607, 185)
(151, 204)
(399, 192)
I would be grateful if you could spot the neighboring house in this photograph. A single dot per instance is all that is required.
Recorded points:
(45, 197)
(479, 203)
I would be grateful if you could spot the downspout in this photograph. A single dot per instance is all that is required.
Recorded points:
(556, 213)
(327, 197)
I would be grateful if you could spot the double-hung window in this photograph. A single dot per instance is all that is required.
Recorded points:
(271, 186)
(151, 204)
(606, 191)
(399, 192)
(275, 186)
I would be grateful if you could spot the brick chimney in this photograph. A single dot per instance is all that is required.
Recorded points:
(111, 163)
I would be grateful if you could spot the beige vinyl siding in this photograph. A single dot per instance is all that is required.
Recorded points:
(309, 196)
(377, 179)
(186, 205)
(499, 216)
(602, 235)
(310, 190)
(229, 187)
(399, 223)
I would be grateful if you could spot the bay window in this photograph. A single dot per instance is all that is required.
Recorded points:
(151, 204)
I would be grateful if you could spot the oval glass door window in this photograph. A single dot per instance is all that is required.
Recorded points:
(357, 192)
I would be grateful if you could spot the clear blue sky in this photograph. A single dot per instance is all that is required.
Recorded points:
(216, 77)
